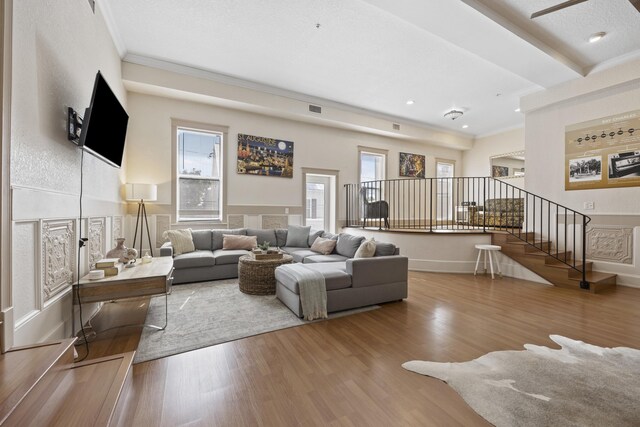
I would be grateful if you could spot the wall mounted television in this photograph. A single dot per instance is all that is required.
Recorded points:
(104, 128)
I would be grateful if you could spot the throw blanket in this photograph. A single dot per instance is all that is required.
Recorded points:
(313, 291)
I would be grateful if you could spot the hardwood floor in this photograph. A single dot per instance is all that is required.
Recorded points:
(347, 371)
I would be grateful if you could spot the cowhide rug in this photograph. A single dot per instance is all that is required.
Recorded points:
(579, 385)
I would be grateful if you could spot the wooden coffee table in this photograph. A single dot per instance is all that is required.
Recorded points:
(256, 277)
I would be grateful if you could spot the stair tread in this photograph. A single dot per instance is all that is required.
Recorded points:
(82, 394)
(22, 368)
(596, 276)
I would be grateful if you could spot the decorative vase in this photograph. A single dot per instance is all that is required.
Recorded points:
(119, 250)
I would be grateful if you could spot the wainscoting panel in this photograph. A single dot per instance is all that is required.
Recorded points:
(58, 256)
(274, 221)
(236, 221)
(117, 230)
(97, 243)
(163, 223)
(610, 243)
(27, 298)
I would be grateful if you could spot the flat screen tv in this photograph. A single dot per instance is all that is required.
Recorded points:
(105, 124)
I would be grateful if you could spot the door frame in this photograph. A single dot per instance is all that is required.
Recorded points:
(6, 297)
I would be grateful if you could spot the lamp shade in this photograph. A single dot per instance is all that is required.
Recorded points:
(148, 192)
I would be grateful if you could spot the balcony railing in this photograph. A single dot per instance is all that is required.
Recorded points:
(471, 204)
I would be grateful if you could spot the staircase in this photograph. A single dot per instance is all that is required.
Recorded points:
(40, 385)
(542, 259)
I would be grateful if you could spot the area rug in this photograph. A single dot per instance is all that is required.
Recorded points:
(208, 313)
(579, 385)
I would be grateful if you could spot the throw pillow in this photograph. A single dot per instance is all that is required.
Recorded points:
(235, 242)
(366, 249)
(314, 235)
(297, 236)
(181, 241)
(323, 246)
(348, 244)
(216, 236)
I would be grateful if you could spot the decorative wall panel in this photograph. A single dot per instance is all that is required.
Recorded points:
(163, 223)
(97, 233)
(610, 243)
(116, 230)
(58, 255)
(26, 270)
(235, 221)
(275, 221)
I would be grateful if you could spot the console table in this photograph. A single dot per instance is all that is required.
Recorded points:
(153, 278)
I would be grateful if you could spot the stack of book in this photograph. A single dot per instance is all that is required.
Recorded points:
(111, 266)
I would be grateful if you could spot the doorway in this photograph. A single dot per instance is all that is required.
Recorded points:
(445, 171)
(320, 200)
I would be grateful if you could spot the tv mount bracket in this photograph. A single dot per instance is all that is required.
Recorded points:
(74, 126)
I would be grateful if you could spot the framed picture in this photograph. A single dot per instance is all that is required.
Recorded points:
(412, 165)
(603, 153)
(258, 155)
(499, 171)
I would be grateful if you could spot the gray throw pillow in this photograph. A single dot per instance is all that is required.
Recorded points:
(385, 249)
(281, 237)
(348, 244)
(217, 238)
(297, 236)
(327, 235)
(201, 239)
(268, 235)
(314, 235)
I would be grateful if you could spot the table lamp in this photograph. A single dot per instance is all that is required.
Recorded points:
(141, 193)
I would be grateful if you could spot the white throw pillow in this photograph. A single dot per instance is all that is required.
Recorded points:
(323, 246)
(367, 249)
(181, 240)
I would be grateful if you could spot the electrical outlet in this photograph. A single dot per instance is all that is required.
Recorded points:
(286, 210)
(589, 206)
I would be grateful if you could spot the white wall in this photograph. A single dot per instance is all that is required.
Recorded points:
(58, 46)
(609, 92)
(319, 147)
(476, 161)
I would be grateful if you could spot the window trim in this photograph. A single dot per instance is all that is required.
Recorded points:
(198, 127)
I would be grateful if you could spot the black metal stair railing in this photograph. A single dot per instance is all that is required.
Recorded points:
(466, 204)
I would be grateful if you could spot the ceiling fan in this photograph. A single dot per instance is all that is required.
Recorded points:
(635, 3)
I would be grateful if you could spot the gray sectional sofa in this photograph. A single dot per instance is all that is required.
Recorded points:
(350, 282)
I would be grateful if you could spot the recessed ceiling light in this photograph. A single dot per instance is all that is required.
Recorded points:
(596, 36)
(410, 102)
(517, 110)
(465, 126)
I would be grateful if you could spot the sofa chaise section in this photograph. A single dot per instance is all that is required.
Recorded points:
(350, 284)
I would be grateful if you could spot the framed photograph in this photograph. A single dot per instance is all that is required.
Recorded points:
(585, 169)
(499, 171)
(412, 165)
(258, 155)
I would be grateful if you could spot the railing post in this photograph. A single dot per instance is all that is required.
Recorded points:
(431, 205)
(484, 205)
(583, 283)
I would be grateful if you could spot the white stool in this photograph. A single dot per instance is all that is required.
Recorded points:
(487, 249)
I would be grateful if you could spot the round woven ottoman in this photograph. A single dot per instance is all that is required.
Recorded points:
(256, 277)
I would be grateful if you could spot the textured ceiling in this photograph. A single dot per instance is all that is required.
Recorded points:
(373, 54)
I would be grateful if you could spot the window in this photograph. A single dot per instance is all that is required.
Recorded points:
(199, 174)
(372, 168)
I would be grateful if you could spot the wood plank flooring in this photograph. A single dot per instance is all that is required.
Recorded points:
(347, 371)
